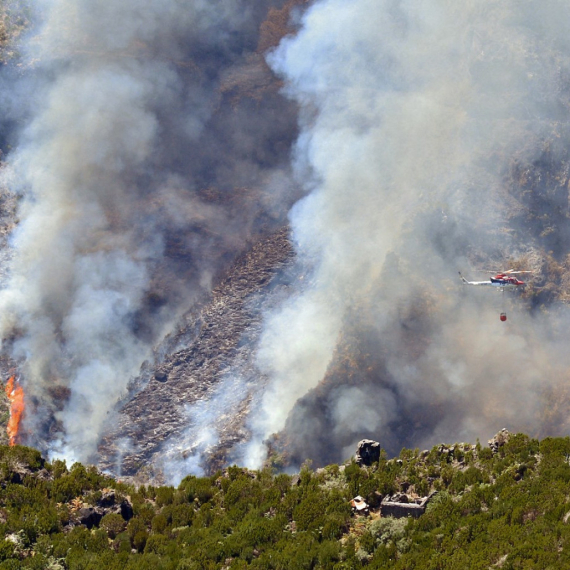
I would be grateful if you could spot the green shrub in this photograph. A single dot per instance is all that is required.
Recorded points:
(156, 543)
(11, 564)
(122, 543)
(197, 488)
(485, 454)
(58, 468)
(189, 564)
(113, 524)
(159, 524)
(164, 496)
(26, 457)
(179, 515)
(135, 525)
(309, 514)
(33, 522)
(329, 554)
(367, 542)
(145, 513)
(334, 527)
(140, 540)
(7, 550)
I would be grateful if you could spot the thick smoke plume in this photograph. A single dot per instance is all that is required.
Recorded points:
(136, 187)
(421, 126)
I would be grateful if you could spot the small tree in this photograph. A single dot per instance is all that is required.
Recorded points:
(113, 524)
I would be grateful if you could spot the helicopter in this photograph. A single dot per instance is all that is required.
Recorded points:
(502, 280)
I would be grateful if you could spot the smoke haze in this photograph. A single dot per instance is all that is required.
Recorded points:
(152, 148)
(416, 118)
(135, 192)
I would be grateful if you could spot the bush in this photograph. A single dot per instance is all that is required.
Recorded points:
(145, 513)
(485, 454)
(7, 550)
(197, 488)
(33, 522)
(21, 455)
(58, 468)
(156, 543)
(11, 564)
(122, 543)
(113, 524)
(367, 542)
(388, 529)
(164, 496)
(329, 554)
(159, 524)
(140, 540)
(335, 526)
(135, 525)
(309, 514)
(189, 564)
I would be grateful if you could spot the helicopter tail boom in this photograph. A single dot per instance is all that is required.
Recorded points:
(481, 283)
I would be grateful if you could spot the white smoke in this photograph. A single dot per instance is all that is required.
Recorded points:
(407, 108)
(184, 454)
(410, 112)
(108, 168)
(74, 286)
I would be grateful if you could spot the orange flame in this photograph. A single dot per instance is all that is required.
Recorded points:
(16, 397)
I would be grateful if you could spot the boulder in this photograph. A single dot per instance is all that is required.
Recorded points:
(161, 374)
(400, 498)
(398, 506)
(367, 452)
(89, 516)
(295, 481)
(375, 499)
(125, 509)
(107, 504)
(107, 499)
(499, 440)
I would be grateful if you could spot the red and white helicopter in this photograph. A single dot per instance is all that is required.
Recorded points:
(503, 280)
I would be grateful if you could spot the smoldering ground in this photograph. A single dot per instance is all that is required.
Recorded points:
(138, 182)
(418, 120)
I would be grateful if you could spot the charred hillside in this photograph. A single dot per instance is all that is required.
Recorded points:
(194, 364)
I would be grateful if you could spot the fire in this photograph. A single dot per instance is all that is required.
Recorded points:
(16, 397)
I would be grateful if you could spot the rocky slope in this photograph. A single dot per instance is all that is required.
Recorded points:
(193, 363)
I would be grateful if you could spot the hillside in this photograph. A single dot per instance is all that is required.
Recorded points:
(231, 232)
(500, 506)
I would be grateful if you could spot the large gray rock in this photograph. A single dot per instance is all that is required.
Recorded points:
(367, 452)
(499, 440)
(108, 504)
(398, 506)
(90, 516)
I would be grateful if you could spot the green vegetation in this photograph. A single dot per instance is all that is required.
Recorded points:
(509, 509)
